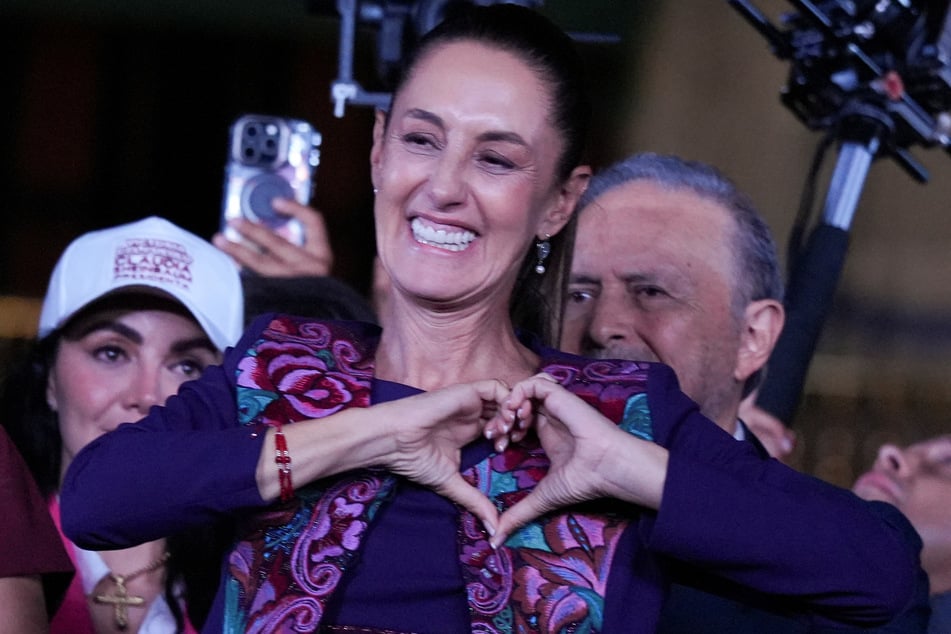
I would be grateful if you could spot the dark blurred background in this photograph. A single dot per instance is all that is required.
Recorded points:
(117, 110)
(113, 110)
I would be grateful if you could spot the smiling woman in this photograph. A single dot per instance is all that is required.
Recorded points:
(451, 472)
(464, 183)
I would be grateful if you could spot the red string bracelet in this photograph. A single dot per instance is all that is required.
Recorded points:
(282, 458)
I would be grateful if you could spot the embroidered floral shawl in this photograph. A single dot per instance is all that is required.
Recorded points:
(551, 576)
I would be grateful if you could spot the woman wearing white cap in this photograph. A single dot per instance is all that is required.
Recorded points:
(131, 313)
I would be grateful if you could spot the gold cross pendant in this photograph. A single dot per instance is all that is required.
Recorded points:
(121, 601)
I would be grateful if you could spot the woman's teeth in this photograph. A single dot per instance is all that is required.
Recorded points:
(449, 240)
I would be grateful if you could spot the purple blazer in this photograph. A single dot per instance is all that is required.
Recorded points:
(726, 511)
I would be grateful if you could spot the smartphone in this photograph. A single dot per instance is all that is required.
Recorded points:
(268, 157)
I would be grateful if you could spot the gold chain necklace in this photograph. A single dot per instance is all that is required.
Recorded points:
(121, 601)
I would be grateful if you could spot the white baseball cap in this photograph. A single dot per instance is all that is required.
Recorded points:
(153, 253)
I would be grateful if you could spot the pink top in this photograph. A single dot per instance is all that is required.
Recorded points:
(73, 615)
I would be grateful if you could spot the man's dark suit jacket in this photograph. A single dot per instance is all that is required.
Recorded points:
(694, 608)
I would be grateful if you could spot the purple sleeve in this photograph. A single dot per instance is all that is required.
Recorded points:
(184, 465)
(767, 527)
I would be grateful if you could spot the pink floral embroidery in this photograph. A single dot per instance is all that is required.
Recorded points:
(337, 526)
(301, 370)
(554, 579)
(302, 614)
(491, 593)
(310, 387)
(526, 461)
(337, 530)
(604, 384)
(566, 586)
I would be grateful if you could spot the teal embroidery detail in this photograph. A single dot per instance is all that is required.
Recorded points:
(529, 536)
(637, 417)
(501, 483)
(387, 487)
(483, 474)
(282, 538)
(503, 621)
(595, 603)
(327, 357)
(251, 402)
(235, 620)
(578, 533)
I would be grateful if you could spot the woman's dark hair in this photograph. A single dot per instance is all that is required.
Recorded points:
(31, 424)
(526, 34)
(535, 40)
(315, 296)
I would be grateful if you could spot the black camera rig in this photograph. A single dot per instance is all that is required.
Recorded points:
(888, 60)
(398, 24)
(876, 74)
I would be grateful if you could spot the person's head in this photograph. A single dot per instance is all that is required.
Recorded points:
(319, 297)
(477, 158)
(130, 314)
(672, 263)
(917, 480)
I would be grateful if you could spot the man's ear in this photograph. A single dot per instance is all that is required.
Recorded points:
(763, 321)
(571, 190)
(376, 151)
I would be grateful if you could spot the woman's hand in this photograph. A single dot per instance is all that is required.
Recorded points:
(428, 432)
(590, 456)
(267, 253)
(419, 437)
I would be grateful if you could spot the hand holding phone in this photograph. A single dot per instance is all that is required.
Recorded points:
(263, 252)
(269, 157)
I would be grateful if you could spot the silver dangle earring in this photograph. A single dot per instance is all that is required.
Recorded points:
(542, 251)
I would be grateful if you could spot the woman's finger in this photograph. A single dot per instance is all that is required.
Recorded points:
(277, 253)
(266, 252)
(316, 237)
(526, 510)
(464, 494)
(246, 256)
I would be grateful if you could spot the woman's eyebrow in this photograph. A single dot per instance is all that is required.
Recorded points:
(195, 342)
(491, 135)
(506, 137)
(425, 115)
(133, 335)
(107, 324)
